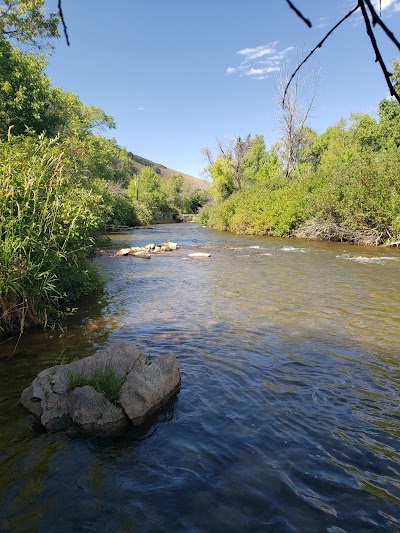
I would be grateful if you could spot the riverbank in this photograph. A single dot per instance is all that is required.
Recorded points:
(357, 201)
(319, 231)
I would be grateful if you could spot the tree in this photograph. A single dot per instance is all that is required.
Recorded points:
(25, 22)
(147, 189)
(228, 169)
(25, 90)
(389, 111)
(292, 115)
(67, 116)
(240, 164)
(173, 192)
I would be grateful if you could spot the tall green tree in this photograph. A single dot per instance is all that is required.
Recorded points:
(67, 116)
(146, 187)
(24, 90)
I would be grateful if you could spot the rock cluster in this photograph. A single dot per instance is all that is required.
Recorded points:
(145, 387)
(146, 251)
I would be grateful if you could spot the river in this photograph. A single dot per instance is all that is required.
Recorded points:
(288, 415)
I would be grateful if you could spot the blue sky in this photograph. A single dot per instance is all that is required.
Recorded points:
(177, 75)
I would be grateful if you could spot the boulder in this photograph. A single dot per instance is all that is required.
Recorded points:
(148, 388)
(93, 413)
(199, 255)
(142, 254)
(123, 251)
(169, 246)
(53, 398)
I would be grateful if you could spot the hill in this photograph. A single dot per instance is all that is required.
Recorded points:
(165, 172)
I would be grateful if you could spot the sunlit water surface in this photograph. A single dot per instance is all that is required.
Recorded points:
(288, 414)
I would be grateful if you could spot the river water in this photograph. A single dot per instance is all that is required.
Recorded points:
(288, 415)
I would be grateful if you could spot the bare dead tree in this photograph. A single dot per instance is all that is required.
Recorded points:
(298, 103)
(371, 19)
(207, 154)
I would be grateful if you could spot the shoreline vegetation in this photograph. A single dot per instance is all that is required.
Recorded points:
(63, 182)
(344, 184)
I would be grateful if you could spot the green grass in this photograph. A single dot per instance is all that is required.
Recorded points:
(103, 380)
(46, 225)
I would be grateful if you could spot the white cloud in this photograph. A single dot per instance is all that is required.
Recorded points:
(386, 4)
(259, 51)
(140, 108)
(261, 71)
(260, 61)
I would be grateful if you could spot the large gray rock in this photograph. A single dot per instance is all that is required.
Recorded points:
(92, 412)
(149, 387)
(145, 388)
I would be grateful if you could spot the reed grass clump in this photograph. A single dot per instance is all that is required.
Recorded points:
(47, 219)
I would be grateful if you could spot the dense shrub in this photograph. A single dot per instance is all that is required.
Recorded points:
(47, 220)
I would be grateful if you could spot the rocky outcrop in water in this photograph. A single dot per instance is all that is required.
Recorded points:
(76, 393)
(146, 251)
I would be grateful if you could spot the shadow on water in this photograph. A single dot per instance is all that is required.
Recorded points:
(287, 418)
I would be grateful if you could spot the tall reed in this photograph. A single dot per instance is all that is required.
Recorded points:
(46, 224)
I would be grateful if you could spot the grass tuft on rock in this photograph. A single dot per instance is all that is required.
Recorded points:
(104, 380)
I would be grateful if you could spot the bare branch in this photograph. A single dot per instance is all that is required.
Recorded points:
(60, 12)
(206, 152)
(377, 20)
(299, 13)
(378, 54)
(316, 48)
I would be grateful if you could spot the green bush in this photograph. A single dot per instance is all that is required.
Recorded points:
(47, 220)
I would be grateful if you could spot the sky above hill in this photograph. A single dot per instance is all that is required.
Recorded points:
(177, 75)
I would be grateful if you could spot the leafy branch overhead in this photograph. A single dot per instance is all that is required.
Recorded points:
(371, 19)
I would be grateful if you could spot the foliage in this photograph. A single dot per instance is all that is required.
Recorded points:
(146, 187)
(25, 21)
(104, 380)
(24, 90)
(46, 227)
(68, 117)
(122, 211)
(347, 179)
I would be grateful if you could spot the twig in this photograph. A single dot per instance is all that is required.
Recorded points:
(316, 48)
(378, 54)
(299, 13)
(377, 20)
(60, 12)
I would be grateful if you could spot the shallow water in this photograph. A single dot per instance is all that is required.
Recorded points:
(288, 415)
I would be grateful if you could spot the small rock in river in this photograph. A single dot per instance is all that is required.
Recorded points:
(199, 255)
